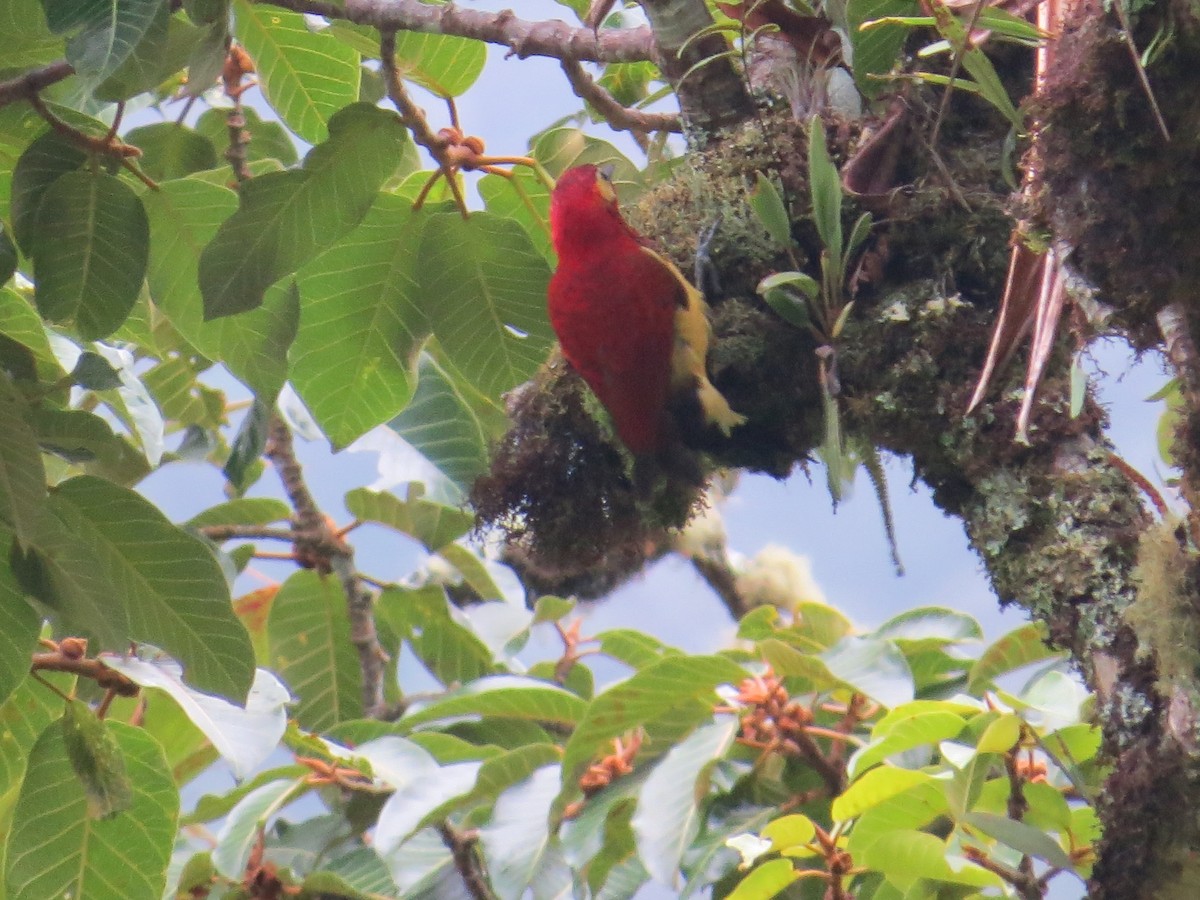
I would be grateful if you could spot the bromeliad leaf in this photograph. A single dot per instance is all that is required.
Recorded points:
(768, 205)
(826, 187)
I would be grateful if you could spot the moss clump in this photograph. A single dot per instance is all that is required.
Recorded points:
(1164, 613)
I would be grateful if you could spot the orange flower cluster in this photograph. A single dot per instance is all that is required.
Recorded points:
(774, 720)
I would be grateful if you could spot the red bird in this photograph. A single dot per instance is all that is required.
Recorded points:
(627, 319)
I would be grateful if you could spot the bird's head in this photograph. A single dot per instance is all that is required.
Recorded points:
(583, 207)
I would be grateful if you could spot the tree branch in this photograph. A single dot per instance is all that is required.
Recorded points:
(619, 118)
(26, 86)
(461, 845)
(318, 544)
(712, 93)
(523, 38)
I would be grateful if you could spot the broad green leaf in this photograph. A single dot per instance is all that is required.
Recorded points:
(876, 49)
(243, 511)
(505, 696)
(160, 53)
(89, 244)
(268, 139)
(765, 882)
(361, 324)
(915, 731)
(651, 693)
(672, 802)
(790, 831)
(20, 322)
(361, 871)
(22, 476)
(1000, 735)
(170, 150)
(433, 524)
(43, 162)
(525, 199)
(931, 624)
(1020, 836)
(767, 203)
(914, 808)
(446, 646)
(450, 423)
(244, 736)
(86, 439)
(311, 650)
(483, 289)
(561, 148)
(306, 76)
(423, 868)
(187, 750)
(442, 64)
(240, 830)
(27, 712)
(873, 788)
(57, 850)
(786, 293)
(634, 648)
(516, 840)
(97, 761)
(103, 33)
(415, 801)
(132, 403)
(905, 856)
(285, 218)
(873, 667)
(110, 564)
(19, 628)
(185, 214)
(1020, 647)
(28, 40)
(8, 254)
(826, 186)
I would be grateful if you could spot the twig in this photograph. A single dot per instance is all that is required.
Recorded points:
(619, 118)
(238, 65)
(413, 116)
(317, 540)
(523, 38)
(219, 533)
(28, 84)
(109, 144)
(461, 845)
(70, 655)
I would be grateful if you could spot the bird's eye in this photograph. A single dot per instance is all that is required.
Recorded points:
(606, 172)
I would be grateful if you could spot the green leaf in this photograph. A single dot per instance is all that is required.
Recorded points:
(1000, 735)
(361, 324)
(419, 800)
(1079, 384)
(57, 850)
(671, 803)
(525, 199)
(975, 62)
(241, 828)
(268, 139)
(22, 476)
(433, 524)
(873, 667)
(1020, 647)
(790, 832)
(873, 788)
(905, 856)
(504, 696)
(767, 203)
(933, 625)
(442, 64)
(634, 648)
(422, 617)
(43, 162)
(652, 693)
(8, 254)
(106, 31)
(97, 761)
(483, 289)
(1021, 837)
(516, 841)
(114, 567)
(451, 424)
(876, 49)
(29, 42)
(170, 150)
(765, 882)
(826, 186)
(243, 511)
(285, 218)
(311, 650)
(786, 293)
(19, 629)
(912, 731)
(244, 736)
(307, 76)
(90, 244)
(155, 57)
